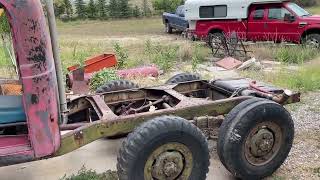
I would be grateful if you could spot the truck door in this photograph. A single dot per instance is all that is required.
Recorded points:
(180, 21)
(279, 29)
(256, 24)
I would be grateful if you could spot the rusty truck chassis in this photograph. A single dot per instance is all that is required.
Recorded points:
(117, 113)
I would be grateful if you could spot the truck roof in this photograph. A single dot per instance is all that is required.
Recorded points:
(235, 9)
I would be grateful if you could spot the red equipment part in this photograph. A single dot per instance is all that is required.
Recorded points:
(78, 80)
(97, 63)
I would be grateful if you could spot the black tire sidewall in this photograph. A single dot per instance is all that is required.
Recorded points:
(247, 119)
(227, 123)
(176, 137)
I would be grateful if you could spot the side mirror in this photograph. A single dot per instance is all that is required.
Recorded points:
(289, 17)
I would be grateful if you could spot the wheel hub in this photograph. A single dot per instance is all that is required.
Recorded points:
(169, 161)
(168, 165)
(262, 143)
(313, 43)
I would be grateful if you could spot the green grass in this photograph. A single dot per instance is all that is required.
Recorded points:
(289, 54)
(295, 54)
(314, 10)
(85, 174)
(306, 78)
(132, 26)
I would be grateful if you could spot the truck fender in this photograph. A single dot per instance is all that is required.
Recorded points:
(310, 30)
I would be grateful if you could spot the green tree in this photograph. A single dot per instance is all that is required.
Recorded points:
(59, 7)
(114, 8)
(136, 11)
(166, 5)
(80, 8)
(102, 8)
(124, 8)
(146, 8)
(68, 7)
(92, 10)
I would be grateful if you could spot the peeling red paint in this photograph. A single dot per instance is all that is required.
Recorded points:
(33, 51)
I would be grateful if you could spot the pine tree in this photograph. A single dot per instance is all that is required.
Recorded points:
(114, 8)
(92, 11)
(136, 11)
(80, 8)
(124, 8)
(102, 8)
(146, 8)
(68, 7)
(59, 7)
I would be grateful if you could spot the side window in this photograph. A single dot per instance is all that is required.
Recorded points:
(213, 11)
(277, 13)
(258, 14)
(178, 11)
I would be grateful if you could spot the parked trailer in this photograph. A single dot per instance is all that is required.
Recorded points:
(254, 138)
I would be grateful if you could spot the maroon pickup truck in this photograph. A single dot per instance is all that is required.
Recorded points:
(282, 21)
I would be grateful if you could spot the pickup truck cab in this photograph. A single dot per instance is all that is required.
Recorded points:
(255, 20)
(175, 20)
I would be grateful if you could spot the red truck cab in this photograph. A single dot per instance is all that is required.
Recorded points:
(282, 21)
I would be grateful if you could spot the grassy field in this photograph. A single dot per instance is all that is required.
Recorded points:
(314, 10)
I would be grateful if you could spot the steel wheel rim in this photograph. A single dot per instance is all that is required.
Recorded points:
(313, 43)
(170, 161)
(263, 143)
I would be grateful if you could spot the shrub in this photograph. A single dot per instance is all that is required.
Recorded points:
(84, 174)
(295, 54)
(197, 57)
(122, 55)
(163, 56)
(102, 77)
(306, 79)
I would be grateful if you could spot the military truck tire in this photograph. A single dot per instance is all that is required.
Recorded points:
(116, 85)
(166, 147)
(183, 77)
(255, 139)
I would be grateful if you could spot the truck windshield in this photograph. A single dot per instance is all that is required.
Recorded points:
(298, 10)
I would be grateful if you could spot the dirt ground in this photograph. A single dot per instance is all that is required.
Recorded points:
(302, 163)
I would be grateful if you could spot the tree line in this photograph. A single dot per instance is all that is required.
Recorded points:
(100, 9)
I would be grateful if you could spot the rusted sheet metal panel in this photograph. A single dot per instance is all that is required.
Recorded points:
(125, 124)
(15, 149)
(36, 67)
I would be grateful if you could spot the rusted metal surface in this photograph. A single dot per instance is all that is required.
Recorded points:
(169, 161)
(125, 124)
(33, 52)
(121, 111)
(15, 149)
(97, 63)
(263, 143)
(79, 79)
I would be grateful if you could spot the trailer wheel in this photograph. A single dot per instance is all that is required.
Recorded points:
(183, 77)
(255, 139)
(116, 85)
(164, 148)
(168, 28)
